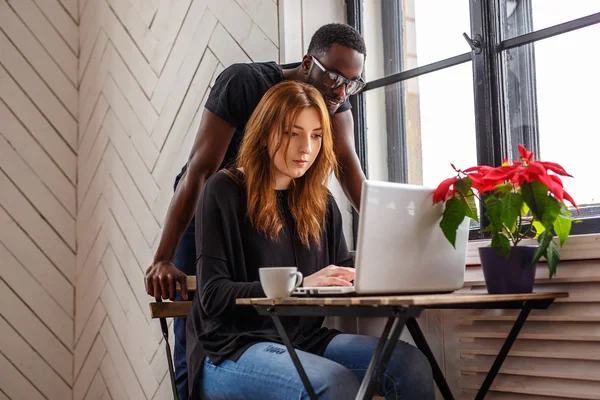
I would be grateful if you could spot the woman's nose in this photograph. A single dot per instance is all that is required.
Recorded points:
(306, 146)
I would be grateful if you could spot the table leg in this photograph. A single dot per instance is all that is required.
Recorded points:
(290, 348)
(512, 336)
(380, 344)
(381, 357)
(421, 342)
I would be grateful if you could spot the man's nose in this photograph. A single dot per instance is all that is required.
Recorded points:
(340, 91)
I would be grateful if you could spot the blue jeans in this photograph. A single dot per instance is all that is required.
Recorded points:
(265, 371)
(185, 260)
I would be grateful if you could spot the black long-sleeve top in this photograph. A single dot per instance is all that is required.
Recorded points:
(230, 251)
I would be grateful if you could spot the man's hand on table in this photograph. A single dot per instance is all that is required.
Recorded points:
(330, 276)
(161, 281)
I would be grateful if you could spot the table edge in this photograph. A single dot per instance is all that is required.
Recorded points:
(413, 300)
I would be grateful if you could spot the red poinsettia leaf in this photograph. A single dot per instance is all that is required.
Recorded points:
(556, 168)
(557, 191)
(499, 175)
(568, 197)
(556, 179)
(488, 188)
(450, 193)
(483, 169)
(442, 190)
(556, 188)
(524, 153)
(534, 171)
(553, 186)
(480, 185)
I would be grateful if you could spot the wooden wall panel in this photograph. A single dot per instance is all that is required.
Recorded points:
(39, 86)
(145, 70)
(557, 353)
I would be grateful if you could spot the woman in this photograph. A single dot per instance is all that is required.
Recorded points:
(273, 209)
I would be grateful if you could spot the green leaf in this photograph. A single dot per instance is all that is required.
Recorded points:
(562, 227)
(539, 228)
(503, 188)
(501, 245)
(493, 211)
(564, 210)
(540, 193)
(535, 195)
(544, 240)
(551, 212)
(511, 208)
(553, 257)
(463, 185)
(525, 209)
(469, 206)
(454, 213)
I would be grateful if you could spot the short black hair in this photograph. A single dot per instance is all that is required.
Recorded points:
(342, 34)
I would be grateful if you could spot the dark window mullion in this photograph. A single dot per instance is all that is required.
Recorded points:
(354, 14)
(487, 93)
(491, 142)
(550, 31)
(519, 85)
(393, 55)
(418, 71)
(355, 19)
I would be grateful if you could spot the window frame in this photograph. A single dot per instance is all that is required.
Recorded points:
(492, 141)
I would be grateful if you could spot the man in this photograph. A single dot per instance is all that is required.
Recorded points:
(333, 64)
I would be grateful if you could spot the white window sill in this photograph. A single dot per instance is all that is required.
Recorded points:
(577, 247)
(580, 261)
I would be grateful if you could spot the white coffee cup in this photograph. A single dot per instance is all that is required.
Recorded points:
(279, 282)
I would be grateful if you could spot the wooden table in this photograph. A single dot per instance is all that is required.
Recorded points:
(400, 311)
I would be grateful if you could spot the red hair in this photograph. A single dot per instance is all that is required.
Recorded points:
(308, 195)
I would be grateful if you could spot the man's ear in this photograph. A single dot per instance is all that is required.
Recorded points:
(306, 64)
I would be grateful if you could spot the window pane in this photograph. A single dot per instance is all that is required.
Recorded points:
(401, 35)
(524, 16)
(567, 84)
(436, 111)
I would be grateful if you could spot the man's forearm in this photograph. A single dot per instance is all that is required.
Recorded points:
(180, 213)
(351, 178)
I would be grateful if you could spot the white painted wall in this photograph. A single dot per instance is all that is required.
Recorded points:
(299, 19)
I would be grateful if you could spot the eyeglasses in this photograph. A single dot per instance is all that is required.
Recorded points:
(334, 80)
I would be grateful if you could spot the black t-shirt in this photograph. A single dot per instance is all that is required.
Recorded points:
(236, 93)
(230, 252)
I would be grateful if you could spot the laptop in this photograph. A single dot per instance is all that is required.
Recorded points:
(400, 246)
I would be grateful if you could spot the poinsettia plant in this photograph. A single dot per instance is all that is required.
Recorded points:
(522, 199)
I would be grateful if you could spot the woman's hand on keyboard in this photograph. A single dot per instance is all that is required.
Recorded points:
(330, 276)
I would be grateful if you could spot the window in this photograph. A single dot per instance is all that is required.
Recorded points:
(525, 71)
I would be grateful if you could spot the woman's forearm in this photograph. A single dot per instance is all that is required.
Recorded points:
(218, 297)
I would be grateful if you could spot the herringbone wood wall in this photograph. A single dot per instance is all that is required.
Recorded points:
(145, 70)
(38, 161)
(99, 104)
(100, 101)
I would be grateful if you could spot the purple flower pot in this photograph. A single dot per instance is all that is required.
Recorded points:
(515, 275)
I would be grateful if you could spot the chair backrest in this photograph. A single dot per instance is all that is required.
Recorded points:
(174, 309)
